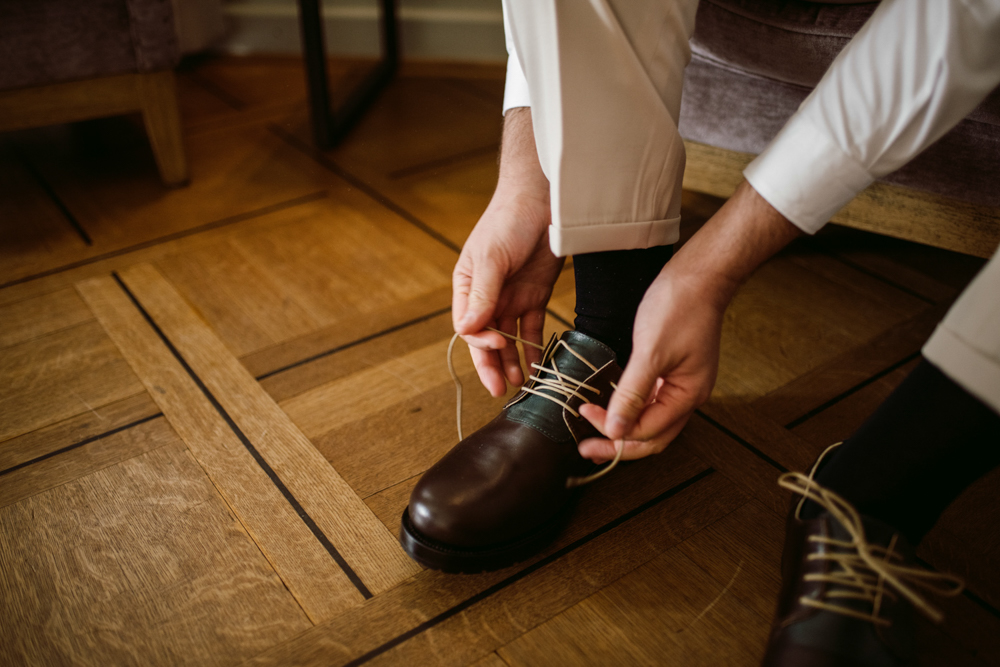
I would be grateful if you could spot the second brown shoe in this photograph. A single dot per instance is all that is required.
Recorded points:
(501, 494)
(849, 588)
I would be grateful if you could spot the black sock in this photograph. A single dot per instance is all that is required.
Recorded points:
(609, 287)
(924, 445)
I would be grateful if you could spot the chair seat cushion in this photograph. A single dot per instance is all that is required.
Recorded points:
(786, 40)
(52, 41)
(792, 41)
(754, 61)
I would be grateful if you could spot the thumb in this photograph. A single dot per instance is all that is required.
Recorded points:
(629, 399)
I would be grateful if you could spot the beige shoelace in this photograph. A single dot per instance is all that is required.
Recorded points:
(560, 385)
(867, 572)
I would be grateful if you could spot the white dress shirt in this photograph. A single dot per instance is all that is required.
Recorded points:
(914, 70)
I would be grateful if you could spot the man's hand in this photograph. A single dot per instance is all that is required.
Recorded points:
(505, 274)
(675, 352)
(674, 362)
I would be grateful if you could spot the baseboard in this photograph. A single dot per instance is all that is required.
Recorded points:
(471, 33)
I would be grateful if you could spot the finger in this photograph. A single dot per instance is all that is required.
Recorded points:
(487, 365)
(532, 328)
(663, 418)
(602, 450)
(509, 357)
(486, 340)
(461, 280)
(660, 417)
(629, 399)
(480, 301)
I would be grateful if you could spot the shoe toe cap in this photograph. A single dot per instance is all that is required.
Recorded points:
(441, 514)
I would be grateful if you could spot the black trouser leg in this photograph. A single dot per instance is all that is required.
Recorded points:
(609, 287)
(926, 444)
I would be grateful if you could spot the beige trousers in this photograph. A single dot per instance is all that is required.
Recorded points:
(966, 344)
(604, 79)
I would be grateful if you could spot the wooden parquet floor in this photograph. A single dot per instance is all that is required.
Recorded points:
(215, 400)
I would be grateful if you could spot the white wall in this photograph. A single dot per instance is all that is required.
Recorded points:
(470, 30)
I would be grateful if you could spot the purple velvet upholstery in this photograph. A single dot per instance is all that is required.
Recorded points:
(793, 42)
(51, 41)
(754, 61)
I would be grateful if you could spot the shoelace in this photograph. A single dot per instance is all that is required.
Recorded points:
(867, 572)
(559, 384)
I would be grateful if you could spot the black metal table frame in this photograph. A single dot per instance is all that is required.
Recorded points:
(331, 125)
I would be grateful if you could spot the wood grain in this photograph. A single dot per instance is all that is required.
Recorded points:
(248, 310)
(84, 426)
(25, 320)
(491, 660)
(60, 375)
(370, 550)
(23, 200)
(963, 540)
(252, 90)
(973, 627)
(750, 539)
(312, 576)
(755, 476)
(516, 602)
(122, 551)
(882, 208)
(395, 379)
(666, 612)
(595, 565)
(139, 563)
(444, 172)
(840, 420)
(405, 437)
(788, 319)
(323, 264)
(400, 404)
(389, 503)
(563, 301)
(116, 194)
(450, 192)
(79, 462)
(850, 369)
(786, 448)
(332, 352)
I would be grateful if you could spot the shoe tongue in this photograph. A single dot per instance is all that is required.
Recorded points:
(591, 349)
(544, 415)
(877, 533)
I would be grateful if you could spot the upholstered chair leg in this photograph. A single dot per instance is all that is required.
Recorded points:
(158, 97)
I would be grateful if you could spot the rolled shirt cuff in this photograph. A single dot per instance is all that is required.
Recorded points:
(515, 91)
(579, 239)
(805, 175)
(975, 370)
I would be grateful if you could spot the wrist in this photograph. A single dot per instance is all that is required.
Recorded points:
(528, 206)
(741, 236)
(701, 281)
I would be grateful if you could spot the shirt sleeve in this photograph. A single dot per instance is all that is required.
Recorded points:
(914, 70)
(515, 93)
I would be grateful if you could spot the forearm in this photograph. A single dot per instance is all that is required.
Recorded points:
(741, 236)
(520, 171)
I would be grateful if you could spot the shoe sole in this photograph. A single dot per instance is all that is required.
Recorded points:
(458, 560)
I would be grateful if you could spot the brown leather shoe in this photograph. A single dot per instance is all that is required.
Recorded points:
(501, 494)
(849, 589)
